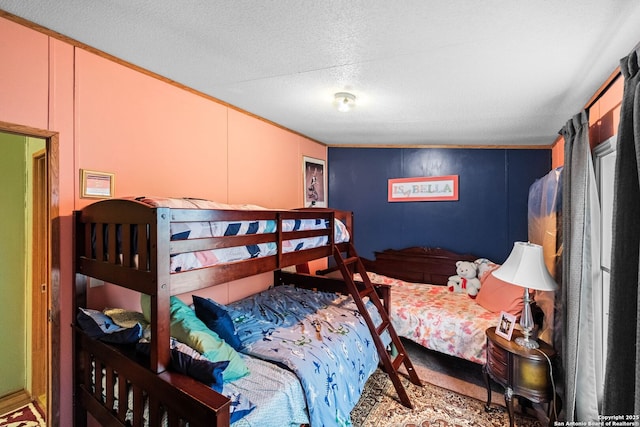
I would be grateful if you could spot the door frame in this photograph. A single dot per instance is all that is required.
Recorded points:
(53, 172)
(39, 283)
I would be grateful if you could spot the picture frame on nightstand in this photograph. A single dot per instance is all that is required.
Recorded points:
(505, 325)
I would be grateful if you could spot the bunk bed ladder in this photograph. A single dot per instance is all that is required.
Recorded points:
(353, 264)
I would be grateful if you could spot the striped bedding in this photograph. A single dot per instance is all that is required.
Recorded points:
(194, 230)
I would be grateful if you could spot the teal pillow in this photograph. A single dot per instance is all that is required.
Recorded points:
(187, 328)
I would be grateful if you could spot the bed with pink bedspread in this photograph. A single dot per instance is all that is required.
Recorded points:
(440, 320)
(433, 316)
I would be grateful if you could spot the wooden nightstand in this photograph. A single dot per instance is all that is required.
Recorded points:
(522, 372)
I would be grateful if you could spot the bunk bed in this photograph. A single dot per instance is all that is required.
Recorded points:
(137, 243)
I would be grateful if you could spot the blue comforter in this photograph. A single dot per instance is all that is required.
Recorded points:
(319, 336)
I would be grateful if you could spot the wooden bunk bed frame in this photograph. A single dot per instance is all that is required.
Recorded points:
(128, 243)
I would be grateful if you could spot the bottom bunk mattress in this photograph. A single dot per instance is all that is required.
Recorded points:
(274, 396)
(440, 320)
(320, 336)
(269, 396)
(300, 356)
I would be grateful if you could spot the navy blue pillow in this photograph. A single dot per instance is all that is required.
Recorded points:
(125, 336)
(203, 370)
(217, 318)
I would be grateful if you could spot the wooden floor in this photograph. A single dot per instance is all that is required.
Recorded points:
(13, 401)
(445, 364)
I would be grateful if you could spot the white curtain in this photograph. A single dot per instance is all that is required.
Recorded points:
(580, 275)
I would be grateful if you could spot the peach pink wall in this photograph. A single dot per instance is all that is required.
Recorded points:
(24, 79)
(557, 153)
(604, 117)
(157, 138)
(604, 114)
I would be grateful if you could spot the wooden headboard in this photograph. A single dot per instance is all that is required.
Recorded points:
(417, 264)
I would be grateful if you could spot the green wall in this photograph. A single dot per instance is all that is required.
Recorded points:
(12, 263)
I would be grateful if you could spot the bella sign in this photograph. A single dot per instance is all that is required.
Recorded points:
(433, 188)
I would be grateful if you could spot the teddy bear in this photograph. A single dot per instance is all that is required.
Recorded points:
(466, 279)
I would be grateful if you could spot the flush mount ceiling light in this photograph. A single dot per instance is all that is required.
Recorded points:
(345, 101)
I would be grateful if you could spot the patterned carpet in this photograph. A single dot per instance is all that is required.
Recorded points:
(433, 407)
(26, 416)
(453, 395)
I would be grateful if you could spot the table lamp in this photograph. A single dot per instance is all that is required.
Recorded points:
(525, 267)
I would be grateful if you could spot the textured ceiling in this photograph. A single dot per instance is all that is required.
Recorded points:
(466, 72)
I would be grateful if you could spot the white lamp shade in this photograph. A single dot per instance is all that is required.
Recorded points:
(525, 267)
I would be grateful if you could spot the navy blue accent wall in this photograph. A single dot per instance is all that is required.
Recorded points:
(489, 216)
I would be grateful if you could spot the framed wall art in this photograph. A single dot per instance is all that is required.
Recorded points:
(314, 182)
(423, 189)
(96, 185)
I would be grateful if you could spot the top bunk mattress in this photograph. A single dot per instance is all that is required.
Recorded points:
(199, 230)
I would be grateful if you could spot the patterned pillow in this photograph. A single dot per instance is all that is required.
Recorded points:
(125, 318)
(98, 325)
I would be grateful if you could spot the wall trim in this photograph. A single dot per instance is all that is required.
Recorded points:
(457, 146)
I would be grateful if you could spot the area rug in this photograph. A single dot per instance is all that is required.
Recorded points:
(26, 416)
(433, 407)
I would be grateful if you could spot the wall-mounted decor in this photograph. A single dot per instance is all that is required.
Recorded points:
(314, 182)
(432, 188)
(96, 185)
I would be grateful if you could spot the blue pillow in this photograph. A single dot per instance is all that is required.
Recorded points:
(217, 318)
(205, 371)
(198, 368)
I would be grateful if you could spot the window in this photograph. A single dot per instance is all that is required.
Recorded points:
(605, 164)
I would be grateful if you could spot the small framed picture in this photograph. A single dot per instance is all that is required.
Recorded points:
(96, 185)
(505, 325)
(314, 182)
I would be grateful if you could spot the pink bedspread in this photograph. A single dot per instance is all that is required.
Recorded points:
(434, 317)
